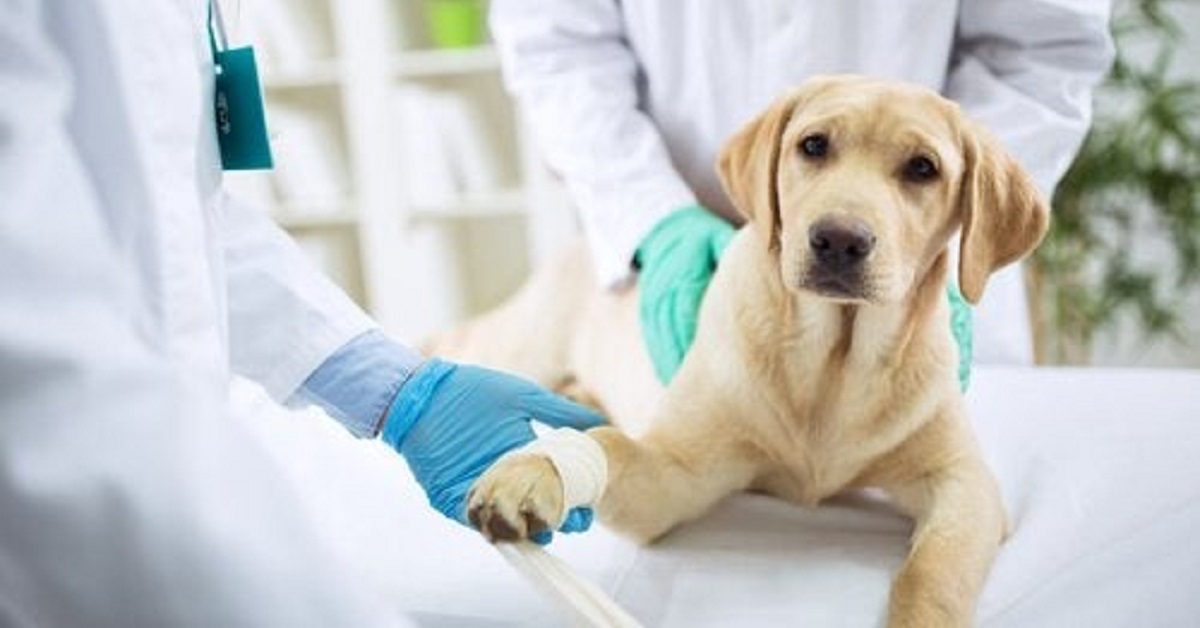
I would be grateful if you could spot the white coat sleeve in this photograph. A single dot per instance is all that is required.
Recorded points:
(1026, 69)
(575, 77)
(129, 497)
(285, 316)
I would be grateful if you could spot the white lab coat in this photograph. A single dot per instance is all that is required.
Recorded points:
(631, 100)
(129, 493)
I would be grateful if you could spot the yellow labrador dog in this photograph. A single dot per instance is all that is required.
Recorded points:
(823, 360)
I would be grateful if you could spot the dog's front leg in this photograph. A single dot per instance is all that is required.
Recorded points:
(960, 524)
(652, 484)
(668, 477)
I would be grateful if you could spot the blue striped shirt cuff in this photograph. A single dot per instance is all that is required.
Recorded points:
(357, 383)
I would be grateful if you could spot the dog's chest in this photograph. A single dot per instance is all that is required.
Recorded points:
(819, 450)
(829, 423)
(836, 389)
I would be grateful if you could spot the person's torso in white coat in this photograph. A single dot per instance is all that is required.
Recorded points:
(719, 64)
(632, 100)
(132, 288)
(206, 263)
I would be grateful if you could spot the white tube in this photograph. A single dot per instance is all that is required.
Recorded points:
(584, 601)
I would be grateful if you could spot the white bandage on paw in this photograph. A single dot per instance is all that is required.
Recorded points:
(580, 463)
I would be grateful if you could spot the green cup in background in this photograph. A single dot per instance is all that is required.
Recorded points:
(456, 23)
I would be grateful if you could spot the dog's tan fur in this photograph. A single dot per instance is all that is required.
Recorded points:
(792, 387)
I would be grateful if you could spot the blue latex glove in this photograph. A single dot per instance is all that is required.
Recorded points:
(452, 421)
(676, 262)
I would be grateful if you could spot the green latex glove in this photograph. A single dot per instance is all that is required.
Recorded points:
(677, 260)
(960, 324)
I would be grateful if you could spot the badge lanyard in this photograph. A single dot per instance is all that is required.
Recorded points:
(237, 101)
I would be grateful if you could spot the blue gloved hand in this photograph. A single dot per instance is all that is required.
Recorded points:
(452, 421)
(676, 262)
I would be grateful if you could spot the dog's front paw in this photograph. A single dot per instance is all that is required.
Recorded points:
(519, 496)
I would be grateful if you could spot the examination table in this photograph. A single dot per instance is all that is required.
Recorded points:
(1100, 471)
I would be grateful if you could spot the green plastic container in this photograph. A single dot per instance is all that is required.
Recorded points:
(456, 23)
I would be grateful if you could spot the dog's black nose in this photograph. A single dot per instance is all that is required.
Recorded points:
(841, 243)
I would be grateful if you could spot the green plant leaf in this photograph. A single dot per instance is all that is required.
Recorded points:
(1125, 235)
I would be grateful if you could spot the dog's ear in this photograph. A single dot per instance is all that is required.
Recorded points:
(1004, 216)
(749, 162)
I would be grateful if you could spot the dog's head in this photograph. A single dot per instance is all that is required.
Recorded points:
(857, 185)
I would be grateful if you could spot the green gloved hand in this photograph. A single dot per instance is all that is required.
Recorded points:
(677, 260)
(961, 325)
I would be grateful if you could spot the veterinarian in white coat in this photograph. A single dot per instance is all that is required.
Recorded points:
(632, 100)
(131, 288)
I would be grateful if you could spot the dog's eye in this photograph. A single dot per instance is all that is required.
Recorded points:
(920, 170)
(815, 145)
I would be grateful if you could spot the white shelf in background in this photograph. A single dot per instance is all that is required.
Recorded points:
(344, 66)
(495, 204)
(315, 215)
(322, 74)
(444, 62)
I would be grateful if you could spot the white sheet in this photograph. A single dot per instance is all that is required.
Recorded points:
(1100, 470)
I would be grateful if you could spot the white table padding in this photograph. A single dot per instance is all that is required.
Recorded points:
(1100, 470)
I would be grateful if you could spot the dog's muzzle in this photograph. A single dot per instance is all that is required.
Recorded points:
(839, 248)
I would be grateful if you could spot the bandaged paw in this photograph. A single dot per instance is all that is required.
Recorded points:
(579, 461)
(532, 490)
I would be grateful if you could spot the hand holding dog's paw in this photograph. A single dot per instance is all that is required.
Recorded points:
(520, 497)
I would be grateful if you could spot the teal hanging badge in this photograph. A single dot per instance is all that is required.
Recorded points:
(237, 101)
